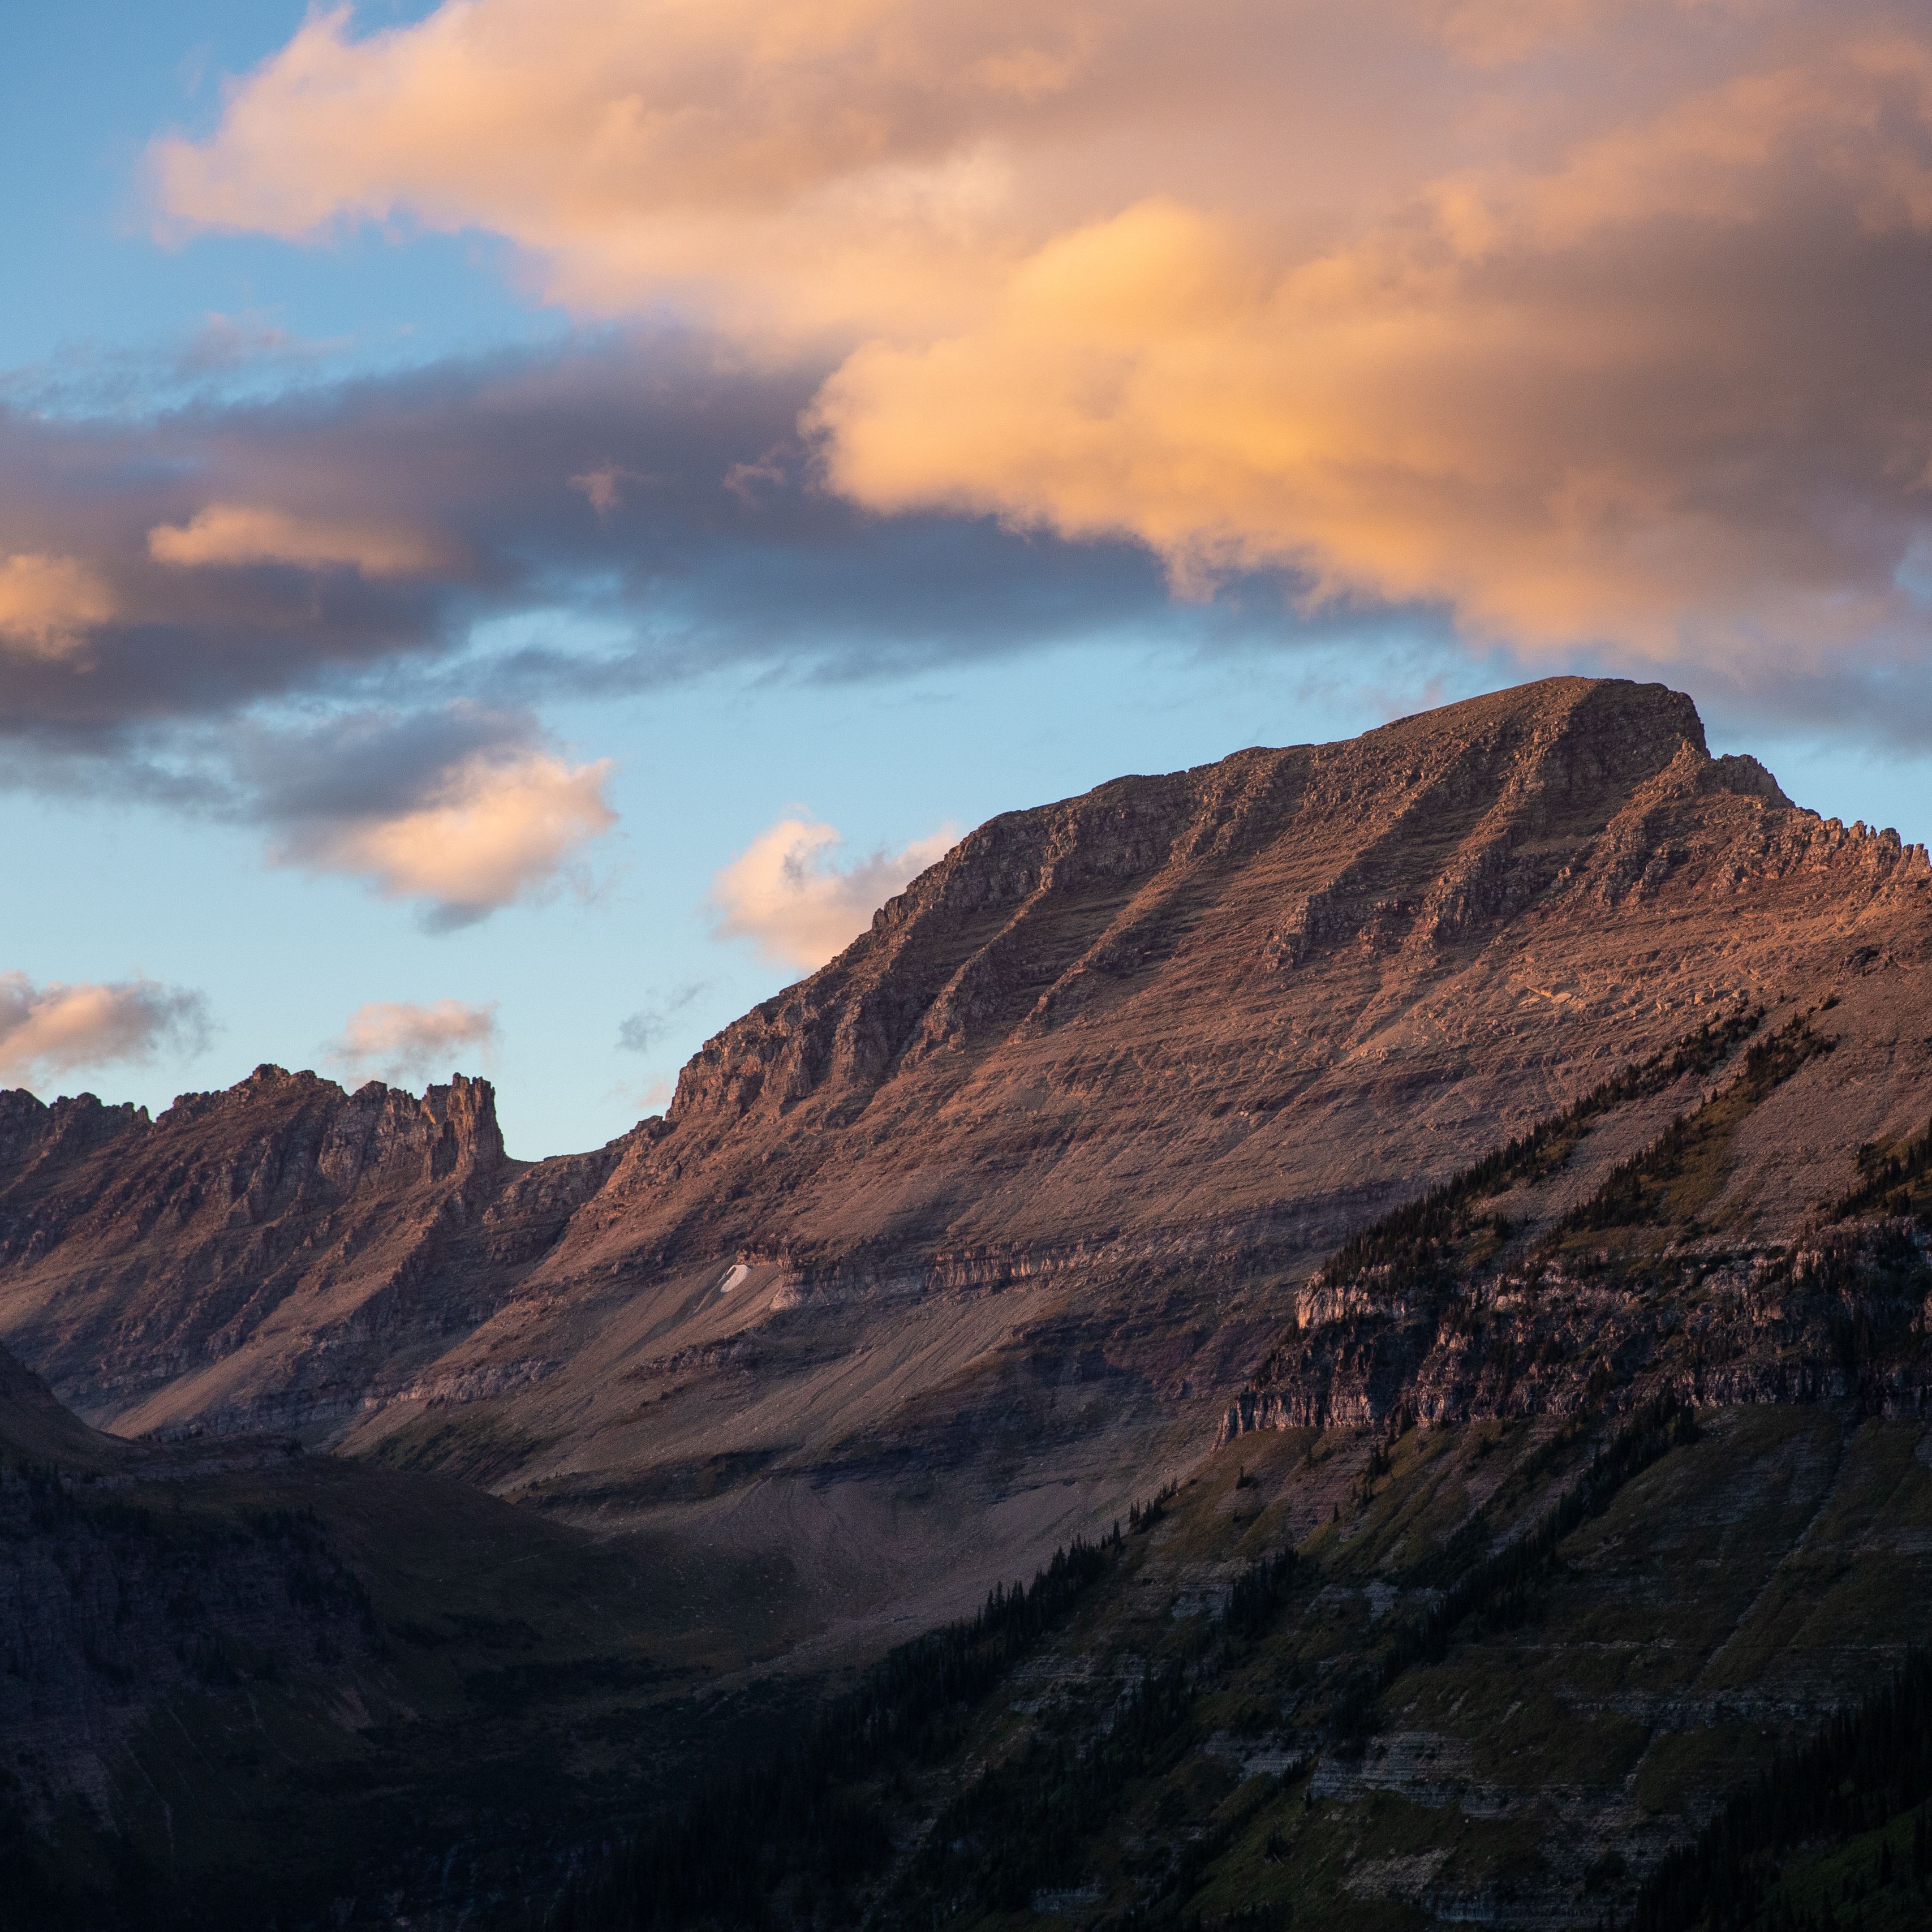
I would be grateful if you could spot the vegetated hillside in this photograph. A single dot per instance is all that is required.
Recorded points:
(1501, 1673)
(243, 1687)
(938, 1253)
(1619, 1652)
(1535, 1281)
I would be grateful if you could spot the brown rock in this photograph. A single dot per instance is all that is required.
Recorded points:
(1023, 1184)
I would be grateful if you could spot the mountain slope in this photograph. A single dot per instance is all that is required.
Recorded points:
(936, 1254)
(257, 1257)
(242, 1686)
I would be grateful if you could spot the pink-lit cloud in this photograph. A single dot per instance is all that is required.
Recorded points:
(238, 534)
(48, 1031)
(404, 1043)
(493, 828)
(788, 893)
(1588, 322)
(49, 604)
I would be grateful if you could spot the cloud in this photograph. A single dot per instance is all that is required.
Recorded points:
(787, 893)
(238, 534)
(648, 1024)
(386, 727)
(46, 1031)
(467, 811)
(643, 1097)
(48, 604)
(640, 145)
(402, 1044)
(1591, 324)
(473, 463)
(1576, 408)
(603, 487)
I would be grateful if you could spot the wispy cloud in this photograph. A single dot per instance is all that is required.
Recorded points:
(642, 1031)
(404, 1044)
(50, 1030)
(235, 535)
(788, 893)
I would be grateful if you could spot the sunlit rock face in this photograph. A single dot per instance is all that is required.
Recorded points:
(1016, 1195)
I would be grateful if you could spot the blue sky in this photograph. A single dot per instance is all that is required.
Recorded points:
(744, 644)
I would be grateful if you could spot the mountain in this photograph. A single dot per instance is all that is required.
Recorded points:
(1457, 1198)
(938, 1254)
(241, 1685)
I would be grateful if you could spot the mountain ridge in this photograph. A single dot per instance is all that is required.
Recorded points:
(1029, 1177)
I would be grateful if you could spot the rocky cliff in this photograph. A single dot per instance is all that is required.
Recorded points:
(1010, 1201)
(263, 1255)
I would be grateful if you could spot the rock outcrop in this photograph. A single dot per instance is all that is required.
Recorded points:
(262, 1256)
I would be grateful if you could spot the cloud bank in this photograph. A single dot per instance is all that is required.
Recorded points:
(49, 1031)
(406, 1045)
(263, 611)
(228, 555)
(1593, 324)
(787, 894)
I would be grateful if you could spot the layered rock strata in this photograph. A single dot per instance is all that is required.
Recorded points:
(1015, 1194)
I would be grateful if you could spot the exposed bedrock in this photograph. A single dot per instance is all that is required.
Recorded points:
(1845, 1320)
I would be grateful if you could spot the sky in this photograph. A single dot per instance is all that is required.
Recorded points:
(522, 522)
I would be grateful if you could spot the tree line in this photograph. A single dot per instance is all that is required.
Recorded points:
(1405, 1248)
(1859, 1772)
(1885, 1180)
(1024, 1824)
(1629, 1194)
(811, 1818)
(1503, 1585)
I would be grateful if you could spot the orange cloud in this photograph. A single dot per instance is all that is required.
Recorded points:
(787, 895)
(1586, 320)
(495, 829)
(237, 534)
(49, 1030)
(397, 1041)
(1539, 401)
(635, 145)
(48, 604)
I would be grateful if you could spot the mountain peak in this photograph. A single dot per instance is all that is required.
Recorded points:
(1653, 713)
(1183, 1027)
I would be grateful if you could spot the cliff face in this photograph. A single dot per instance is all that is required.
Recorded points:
(1029, 1179)
(264, 1249)
(1139, 1008)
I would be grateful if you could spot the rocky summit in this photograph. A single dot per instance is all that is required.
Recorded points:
(1416, 1120)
